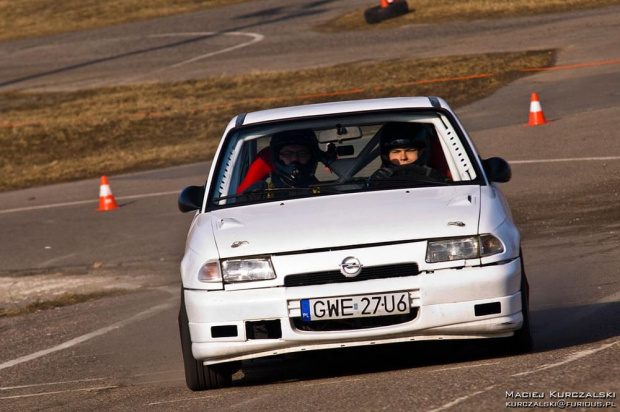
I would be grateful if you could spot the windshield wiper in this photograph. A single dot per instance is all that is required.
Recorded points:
(314, 190)
(415, 182)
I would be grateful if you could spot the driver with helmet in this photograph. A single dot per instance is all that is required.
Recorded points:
(405, 152)
(295, 155)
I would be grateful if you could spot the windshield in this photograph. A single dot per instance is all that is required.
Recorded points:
(336, 155)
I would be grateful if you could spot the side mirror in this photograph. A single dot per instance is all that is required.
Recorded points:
(190, 198)
(497, 170)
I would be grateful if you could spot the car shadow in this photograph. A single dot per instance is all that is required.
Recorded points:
(565, 327)
(596, 322)
(355, 361)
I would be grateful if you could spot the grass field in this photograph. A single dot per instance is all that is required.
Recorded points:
(55, 137)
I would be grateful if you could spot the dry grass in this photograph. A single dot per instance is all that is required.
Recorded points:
(64, 300)
(443, 11)
(28, 18)
(54, 137)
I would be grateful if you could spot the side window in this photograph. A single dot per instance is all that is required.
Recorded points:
(247, 155)
(257, 163)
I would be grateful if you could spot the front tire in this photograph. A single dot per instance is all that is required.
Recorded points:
(522, 341)
(199, 377)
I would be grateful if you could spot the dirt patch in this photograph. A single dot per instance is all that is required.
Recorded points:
(65, 299)
(34, 290)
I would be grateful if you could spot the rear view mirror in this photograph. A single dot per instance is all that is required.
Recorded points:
(339, 134)
(190, 198)
(497, 169)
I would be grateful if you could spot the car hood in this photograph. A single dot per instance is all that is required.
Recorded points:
(345, 220)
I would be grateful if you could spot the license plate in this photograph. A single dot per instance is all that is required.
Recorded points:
(355, 306)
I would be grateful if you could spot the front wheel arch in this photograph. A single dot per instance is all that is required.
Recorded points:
(200, 377)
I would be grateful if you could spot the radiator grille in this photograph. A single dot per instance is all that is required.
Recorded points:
(334, 276)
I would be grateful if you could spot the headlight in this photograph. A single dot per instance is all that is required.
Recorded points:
(463, 248)
(210, 272)
(247, 270)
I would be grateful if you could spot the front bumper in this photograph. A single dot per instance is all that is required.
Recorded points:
(445, 305)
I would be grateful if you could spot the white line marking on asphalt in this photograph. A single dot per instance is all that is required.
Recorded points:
(88, 336)
(255, 38)
(332, 382)
(7, 388)
(84, 202)
(461, 399)
(190, 399)
(465, 367)
(101, 388)
(573, 357)
(573, 159)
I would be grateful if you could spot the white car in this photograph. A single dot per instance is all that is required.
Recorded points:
(344, 224)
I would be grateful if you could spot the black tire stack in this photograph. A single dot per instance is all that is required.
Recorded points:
(377, 14)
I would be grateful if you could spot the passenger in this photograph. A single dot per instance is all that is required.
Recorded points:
(295, 156)
(405, 152)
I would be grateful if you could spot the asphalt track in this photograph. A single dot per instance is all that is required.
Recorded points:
(122, 352)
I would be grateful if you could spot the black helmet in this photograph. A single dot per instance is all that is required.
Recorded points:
(396, 135)
(295, 174)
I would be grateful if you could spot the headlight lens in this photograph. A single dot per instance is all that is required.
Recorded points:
(210, 272)
(490, 245)
(247, 270)
(472, 247)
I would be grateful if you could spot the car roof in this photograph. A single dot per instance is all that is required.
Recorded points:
(350, 106)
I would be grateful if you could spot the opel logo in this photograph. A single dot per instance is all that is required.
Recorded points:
(351, 267)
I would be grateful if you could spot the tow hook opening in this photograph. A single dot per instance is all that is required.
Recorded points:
(263, 329)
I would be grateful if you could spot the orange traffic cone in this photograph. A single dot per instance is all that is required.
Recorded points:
(537, 117)
(388, 3)
(106, 198)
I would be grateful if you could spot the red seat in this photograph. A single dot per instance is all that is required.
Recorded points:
(438, 160)
(258, 170)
